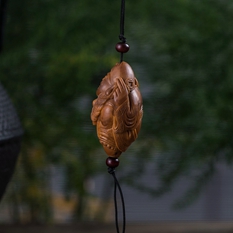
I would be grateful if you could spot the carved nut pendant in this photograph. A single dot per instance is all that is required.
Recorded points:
(117, 111)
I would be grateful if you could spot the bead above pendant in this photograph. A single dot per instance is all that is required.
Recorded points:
(122, 47)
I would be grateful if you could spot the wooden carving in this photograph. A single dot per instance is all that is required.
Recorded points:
(117, 111)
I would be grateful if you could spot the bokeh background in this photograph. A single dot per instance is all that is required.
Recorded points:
(179, 169)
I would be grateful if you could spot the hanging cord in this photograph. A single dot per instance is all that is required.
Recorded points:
(122, 47)
(122, 26)
(122, 22)
(2, 21)
(117, 186)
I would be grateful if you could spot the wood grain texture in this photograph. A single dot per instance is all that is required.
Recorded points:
(117, 112)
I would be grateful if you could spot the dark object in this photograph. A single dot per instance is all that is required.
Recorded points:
(112, 162)
(2, 21)
(122, 47)
(9, 151)
(10, 138)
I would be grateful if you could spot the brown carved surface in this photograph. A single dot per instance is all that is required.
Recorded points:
(117, 111)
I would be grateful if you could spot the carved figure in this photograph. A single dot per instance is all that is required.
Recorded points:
(117, 111)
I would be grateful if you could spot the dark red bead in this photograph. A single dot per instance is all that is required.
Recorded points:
(112, 162)
(122, 47)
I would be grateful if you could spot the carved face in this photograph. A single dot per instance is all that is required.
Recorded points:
(131, 83)
(117, 111)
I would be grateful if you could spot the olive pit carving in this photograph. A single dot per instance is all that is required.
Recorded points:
(117, 111)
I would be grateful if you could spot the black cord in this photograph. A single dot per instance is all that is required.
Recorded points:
(122, 22)
(122, 25)
(117, 186)
(116, 209)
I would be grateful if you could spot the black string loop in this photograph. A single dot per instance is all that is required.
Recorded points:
(117, 186)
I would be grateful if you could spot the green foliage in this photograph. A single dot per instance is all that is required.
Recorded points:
(57, 52)
(54, 53)
(187, 109)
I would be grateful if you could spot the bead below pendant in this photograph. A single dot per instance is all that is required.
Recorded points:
(112, 162)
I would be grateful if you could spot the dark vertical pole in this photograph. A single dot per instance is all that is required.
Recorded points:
(2, 21)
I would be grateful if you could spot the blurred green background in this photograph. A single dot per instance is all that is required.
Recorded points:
(55, 55)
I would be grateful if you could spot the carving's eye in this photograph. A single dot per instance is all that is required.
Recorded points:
(130, 83)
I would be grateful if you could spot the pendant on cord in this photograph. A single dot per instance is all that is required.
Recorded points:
(117, 111)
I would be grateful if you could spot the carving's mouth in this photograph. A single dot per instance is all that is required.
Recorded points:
(110, 150)
(109, 146)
